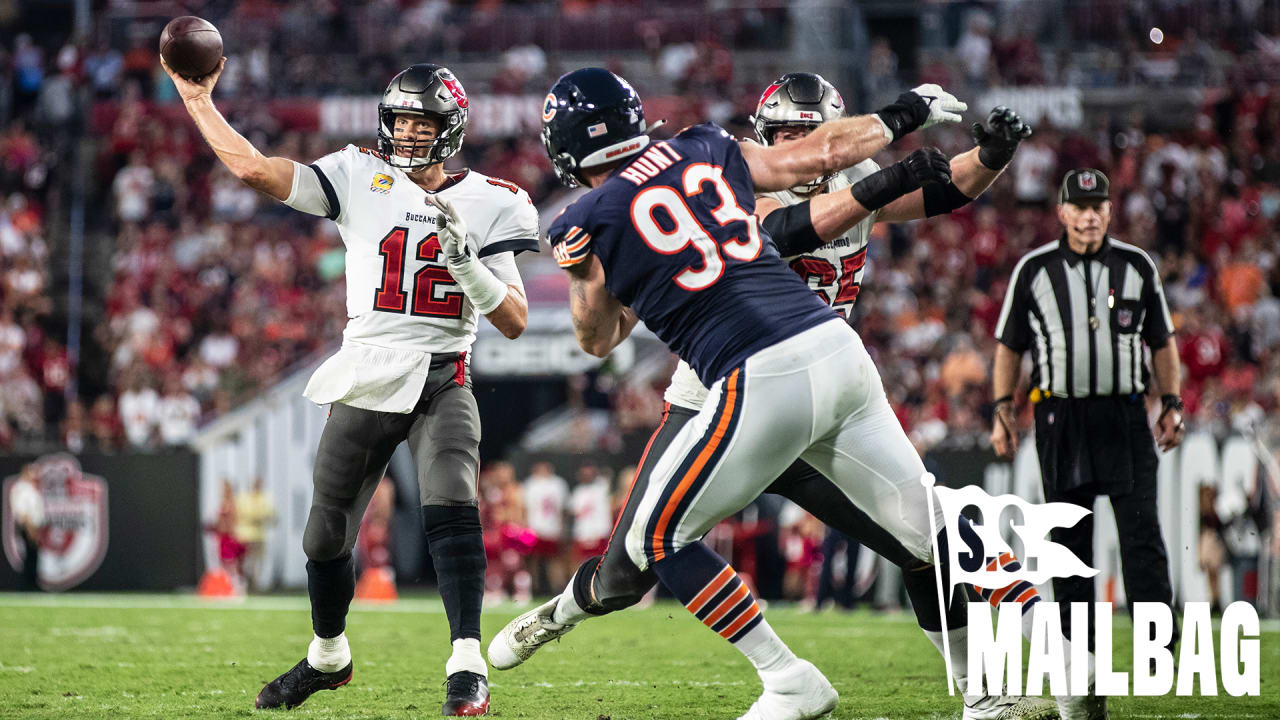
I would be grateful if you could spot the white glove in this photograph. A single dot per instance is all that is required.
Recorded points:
(478, 282)
(943, 106)
(452, 230)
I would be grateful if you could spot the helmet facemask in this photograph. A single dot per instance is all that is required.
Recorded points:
(437, 149)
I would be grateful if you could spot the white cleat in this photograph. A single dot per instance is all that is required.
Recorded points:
(1083, 707)
(798, 692)
(1010, 707)
(522, 637)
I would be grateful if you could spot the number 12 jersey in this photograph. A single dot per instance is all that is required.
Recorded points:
(399, 291)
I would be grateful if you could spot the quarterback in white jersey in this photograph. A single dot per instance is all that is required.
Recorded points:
(427, 253)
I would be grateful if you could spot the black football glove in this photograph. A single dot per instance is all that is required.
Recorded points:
(922, 107)
(999, 139)
(926, 165)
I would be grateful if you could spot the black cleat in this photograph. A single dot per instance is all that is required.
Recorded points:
(294, 687)
(466, 695)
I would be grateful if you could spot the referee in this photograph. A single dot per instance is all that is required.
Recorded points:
(1084, 306)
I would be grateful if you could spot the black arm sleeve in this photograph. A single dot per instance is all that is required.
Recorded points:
(941, 199)
(791, 228)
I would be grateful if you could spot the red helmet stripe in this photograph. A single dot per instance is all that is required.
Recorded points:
(768, 92)
(455, 89)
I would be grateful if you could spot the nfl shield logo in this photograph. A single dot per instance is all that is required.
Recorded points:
(1088, 180)
(596, 130)
(1124, 318)
(73, 541)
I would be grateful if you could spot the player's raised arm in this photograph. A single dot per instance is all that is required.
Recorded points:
(843, 143)
(270, 175)
(805, 226)
(972, 172)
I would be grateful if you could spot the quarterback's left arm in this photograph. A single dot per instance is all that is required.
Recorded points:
(972, 172)
(600, 320)
(503, 303)
(512, 314)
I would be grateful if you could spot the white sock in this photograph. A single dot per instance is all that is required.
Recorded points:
(958, 641)
(466, 656)
(567, 611)
(765, 649)
(329, 654)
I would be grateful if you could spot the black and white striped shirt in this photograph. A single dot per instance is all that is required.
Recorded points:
(1084, 318)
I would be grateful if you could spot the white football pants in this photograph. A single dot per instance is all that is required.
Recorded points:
(815, 396)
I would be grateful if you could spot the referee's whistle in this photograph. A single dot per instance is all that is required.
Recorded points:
(1111, 300)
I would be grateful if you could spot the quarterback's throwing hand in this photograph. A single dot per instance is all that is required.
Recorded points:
(943, 106)
(191, 89)
(452, 230)
(998, 140)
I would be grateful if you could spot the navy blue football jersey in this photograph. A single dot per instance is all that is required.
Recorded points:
(675, 231)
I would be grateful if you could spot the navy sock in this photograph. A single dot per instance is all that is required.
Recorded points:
(711, 590)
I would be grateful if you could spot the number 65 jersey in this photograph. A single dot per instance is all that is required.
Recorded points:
(674, 231)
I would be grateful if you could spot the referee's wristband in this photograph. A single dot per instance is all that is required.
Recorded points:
(1001, 400)
(1171, 402)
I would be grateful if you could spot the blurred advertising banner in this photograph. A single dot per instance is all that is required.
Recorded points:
(1061, 106)
(105, 522)
(488, 116)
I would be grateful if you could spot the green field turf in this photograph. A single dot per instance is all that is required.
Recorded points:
(113, 657)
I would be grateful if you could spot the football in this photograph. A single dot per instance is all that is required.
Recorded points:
(192, 46)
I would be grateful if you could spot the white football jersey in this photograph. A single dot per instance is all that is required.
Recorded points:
(592, 508)
(399, 291)
(834, 271)
(544, 503)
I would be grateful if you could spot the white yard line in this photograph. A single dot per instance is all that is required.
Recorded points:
(129, 601)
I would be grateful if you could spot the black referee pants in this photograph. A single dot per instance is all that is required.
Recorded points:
(1143, 559)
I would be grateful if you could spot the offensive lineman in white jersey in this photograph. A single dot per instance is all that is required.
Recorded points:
(821, 229)
(418, 278)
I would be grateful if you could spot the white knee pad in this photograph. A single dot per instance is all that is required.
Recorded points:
(635, 543)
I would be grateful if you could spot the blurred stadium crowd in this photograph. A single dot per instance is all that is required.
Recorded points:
(210, 292)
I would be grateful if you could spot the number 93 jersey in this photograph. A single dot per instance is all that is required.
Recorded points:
(833, 271)
(675, 232)
(399, 290)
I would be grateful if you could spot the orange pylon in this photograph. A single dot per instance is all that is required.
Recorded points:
(376, 585)
(216, 583)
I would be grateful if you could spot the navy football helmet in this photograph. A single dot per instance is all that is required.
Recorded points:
(591, 117)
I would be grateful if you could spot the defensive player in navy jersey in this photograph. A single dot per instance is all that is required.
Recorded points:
(667, 235)
(822, 231)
